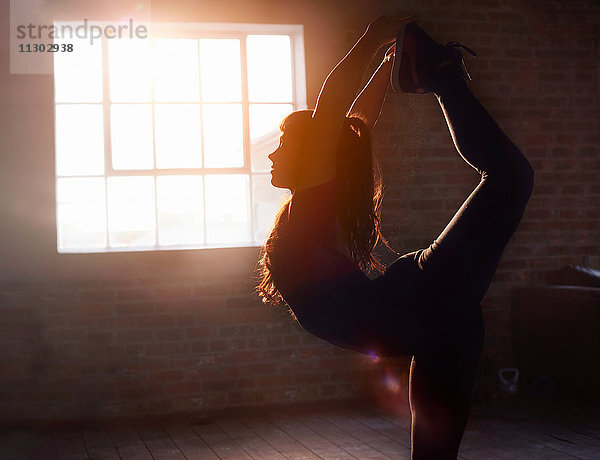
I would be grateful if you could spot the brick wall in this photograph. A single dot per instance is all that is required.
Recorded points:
(97, 350)
(129, 334)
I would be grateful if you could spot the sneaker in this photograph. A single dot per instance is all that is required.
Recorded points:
(418, 57)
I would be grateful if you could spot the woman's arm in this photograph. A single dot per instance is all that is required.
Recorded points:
(337, 95)
(369, 102)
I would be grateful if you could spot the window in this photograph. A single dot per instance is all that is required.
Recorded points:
(162, 143)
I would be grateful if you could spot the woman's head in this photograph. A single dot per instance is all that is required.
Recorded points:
(354, 156)
(287, 157)
(358, 191)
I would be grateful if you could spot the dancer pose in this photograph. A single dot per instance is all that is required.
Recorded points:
(427, 303)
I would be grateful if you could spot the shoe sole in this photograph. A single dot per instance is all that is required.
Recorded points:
(405, 56)
(397, 59)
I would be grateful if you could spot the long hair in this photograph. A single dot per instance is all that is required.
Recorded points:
(357, 202)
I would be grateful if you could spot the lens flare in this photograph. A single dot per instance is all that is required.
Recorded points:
(391, 382)
(374, 357)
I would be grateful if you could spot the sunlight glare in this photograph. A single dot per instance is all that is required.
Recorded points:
(176, 76)
(171, 103)
(220, 70)
(78, 75)
(131, 136)
(264, 132)
(266, 201)
(223, 135)
(79, 139)
(227, 208)
(81, 213)
(131, 213)
(269, 68)
(130, 70)
(178, 141)
(180, 210)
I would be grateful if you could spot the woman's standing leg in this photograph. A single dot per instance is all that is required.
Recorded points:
(458, 268)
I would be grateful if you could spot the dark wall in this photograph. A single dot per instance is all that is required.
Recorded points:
(132, 333)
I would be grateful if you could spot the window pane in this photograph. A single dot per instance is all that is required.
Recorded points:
(269, 68)
(176, 70)
(266, 201)
(81, 213)
(223, 136)
(131, 136)
(78, 75)
(227, 216)
(79, 139)
(220, 70)
(178, 143)
(131, 215)
(130, 70)
(264, 132)
(180, 210)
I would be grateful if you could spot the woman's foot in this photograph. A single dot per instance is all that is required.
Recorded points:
(419, 61)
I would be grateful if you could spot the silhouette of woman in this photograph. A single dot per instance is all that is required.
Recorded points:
(427, 303)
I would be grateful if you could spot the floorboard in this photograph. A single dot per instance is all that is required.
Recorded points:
(186, 439)
(505, 429)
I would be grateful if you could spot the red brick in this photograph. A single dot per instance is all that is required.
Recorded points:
(167, 375)
(134, 308)
(97, 295)
(134, 335)
(243, 356)
(217, 345)
(170, 334)
(278, 380)
(154, 320)
(171, 292)
(134, 294)
(199, 347)
(260, 368)
(312, 377)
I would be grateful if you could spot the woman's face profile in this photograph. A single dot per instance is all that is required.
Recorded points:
(285, 158)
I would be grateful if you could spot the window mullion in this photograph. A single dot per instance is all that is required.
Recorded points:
(293, 56)
(202, 171)
(245, 102)
(154, 175)
(176, 171)
(107, 139)
(298, 70)
(246, 127)
(204, 223)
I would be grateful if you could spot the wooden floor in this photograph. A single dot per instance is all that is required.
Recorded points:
(510, 429)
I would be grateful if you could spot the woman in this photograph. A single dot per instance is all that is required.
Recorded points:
(427, 303)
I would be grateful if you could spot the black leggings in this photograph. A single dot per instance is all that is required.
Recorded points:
(456, 270)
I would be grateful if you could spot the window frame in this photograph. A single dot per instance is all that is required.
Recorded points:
(191, 30)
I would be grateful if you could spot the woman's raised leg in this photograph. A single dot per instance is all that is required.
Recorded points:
(470, 246)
